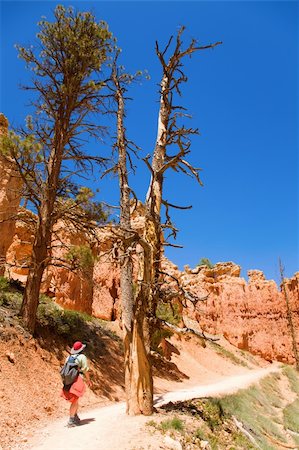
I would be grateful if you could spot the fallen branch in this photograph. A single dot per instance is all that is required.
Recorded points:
(245, 432)
(188, 330)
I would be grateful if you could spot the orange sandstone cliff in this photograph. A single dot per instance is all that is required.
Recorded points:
(251, 315)
(10, 195)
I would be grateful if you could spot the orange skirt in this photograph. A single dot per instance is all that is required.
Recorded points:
(77, 390)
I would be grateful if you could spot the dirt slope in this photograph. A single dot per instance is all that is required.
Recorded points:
(30, 382)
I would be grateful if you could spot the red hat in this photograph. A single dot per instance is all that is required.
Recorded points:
(77, 348)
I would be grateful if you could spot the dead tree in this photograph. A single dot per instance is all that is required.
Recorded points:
(139, 311)
(138, 377)
(171, 133)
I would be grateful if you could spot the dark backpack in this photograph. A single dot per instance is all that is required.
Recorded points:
(70, 371)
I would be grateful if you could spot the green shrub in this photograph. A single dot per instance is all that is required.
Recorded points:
(169, 313)
(80, 257)
(45, 299)
(4, 284)
(65, 322)
(172, 424)
(157, 337)
(206, 262)
(11, 300)
(199, 434)
(213, 413)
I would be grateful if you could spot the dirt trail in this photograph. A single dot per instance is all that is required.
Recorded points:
(109, 428)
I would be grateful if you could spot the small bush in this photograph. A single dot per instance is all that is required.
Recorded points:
(151, 423)
(206, 262)
(11, 300)
(65, 322)
(172, 424)
(169, 312)
(157, 337)
(199, 434)
(213, 413)
(44, 299)
(80, 257)
(4, 284)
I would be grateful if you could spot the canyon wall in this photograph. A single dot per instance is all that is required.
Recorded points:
(10, 195)
(251, 315)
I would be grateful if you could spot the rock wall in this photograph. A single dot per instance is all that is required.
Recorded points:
(72, 289)
(10, 194)
(252, 316)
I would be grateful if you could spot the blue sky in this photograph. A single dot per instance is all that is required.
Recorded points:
(243, 97)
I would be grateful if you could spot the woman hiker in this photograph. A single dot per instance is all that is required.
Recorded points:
(73, 392)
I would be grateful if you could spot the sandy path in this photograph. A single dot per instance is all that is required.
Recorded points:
(109, 428)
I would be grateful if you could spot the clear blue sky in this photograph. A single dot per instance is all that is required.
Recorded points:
(244, 99)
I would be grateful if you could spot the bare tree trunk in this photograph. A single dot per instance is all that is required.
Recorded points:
(32, 290)
(138, 375)
(289, 316)
(141, 378)
(170, 134)
(140, 322)
(153, 232)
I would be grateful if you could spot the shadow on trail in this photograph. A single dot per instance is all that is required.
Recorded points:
(86, 421)
(167, 369)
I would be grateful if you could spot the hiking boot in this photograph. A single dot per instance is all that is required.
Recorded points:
(77, 419)
(72, 422)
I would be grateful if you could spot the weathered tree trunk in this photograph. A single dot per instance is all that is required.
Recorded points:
(34, 279)
(43, 237)
(141, 333)
(138, 375)
(153, 231)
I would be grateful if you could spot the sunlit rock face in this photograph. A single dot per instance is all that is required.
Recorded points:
(10, 195)
(251, 315)
(72, 289)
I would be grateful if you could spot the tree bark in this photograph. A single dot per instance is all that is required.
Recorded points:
(43, 235)
(38, 264)
(153, 232)
(138, 375)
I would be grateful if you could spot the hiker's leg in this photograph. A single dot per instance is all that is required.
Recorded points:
(74, 408)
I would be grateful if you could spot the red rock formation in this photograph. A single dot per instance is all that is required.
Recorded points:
(10, 194)
(252, 316)
(19, 252)
(71, 289)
